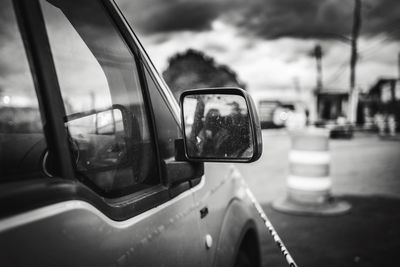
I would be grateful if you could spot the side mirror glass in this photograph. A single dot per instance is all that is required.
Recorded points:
(220, 125)
(98, 138)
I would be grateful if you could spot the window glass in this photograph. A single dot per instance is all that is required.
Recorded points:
(106, 118)
(168, 129)
(22, 143)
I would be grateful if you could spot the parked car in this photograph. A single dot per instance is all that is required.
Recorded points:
(109, 170)
(338, 129)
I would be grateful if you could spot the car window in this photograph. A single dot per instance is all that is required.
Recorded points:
(106, 115)
(22, 143)
(168, 129)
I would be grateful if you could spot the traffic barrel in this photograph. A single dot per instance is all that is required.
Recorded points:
(309, 183)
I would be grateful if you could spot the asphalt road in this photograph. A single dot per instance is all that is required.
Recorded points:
(369, 235)
(365, 172)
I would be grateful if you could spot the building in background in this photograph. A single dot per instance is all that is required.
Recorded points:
(382, 102)
(331, 104)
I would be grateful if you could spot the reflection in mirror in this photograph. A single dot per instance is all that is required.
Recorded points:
(98, 138)
(217, 126)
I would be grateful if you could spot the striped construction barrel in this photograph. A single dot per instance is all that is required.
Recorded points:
(309, 183)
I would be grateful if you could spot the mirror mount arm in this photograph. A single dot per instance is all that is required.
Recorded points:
(178, 170)
(180, 154)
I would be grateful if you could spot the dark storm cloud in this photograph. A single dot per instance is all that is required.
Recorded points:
(322, 19)
(269, 19)
(382, 16)
(274, 19)
(157, 16)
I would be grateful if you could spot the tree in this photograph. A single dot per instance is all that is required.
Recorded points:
(194, 69)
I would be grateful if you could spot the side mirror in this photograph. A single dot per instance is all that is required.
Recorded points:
(220, 125)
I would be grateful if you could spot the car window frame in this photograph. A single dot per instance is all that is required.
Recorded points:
(139, 53)
(119, 28)
(37, 47)
(167, 95)
(64, 185)
(161, 85)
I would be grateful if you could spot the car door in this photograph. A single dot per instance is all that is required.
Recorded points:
(104, 198)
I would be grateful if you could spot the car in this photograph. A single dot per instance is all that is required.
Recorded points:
(338, 129)
(100, 166)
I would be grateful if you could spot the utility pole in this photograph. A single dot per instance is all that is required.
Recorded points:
(317, 53)
(353, 93)
(318, 58)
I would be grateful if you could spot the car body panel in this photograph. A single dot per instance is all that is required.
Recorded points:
(230, 212)
(75, 233)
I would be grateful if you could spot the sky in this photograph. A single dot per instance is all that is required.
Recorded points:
(269, 42)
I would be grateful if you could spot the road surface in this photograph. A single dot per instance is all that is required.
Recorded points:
(366, 173)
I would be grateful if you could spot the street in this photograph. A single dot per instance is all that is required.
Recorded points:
(365, 172)
(365, 165)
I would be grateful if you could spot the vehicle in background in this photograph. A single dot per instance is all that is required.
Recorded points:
(338, 129)
(266, 110)
(277, 114)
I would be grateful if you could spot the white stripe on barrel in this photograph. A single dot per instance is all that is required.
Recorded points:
(309, 157)
(309, 183)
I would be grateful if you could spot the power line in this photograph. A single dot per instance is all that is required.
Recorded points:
(376, 45)
(338, 73)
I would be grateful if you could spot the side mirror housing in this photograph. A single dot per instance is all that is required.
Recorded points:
(220, 125)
